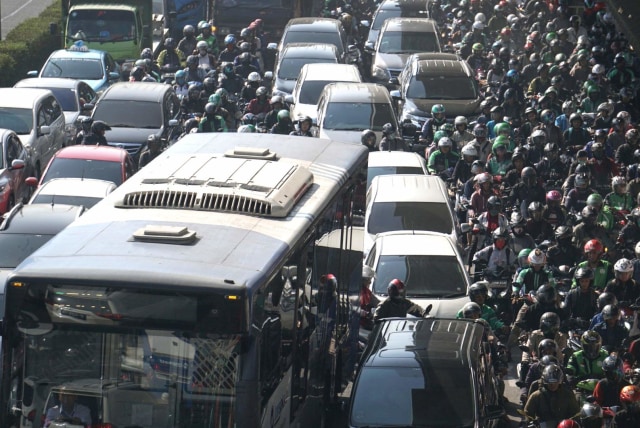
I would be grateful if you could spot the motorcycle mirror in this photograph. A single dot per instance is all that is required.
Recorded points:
(427, 310)
(465, 228)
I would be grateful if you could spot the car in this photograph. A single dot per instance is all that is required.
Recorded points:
(14, 168)
(72, 191)
(27, 227)
(293, 57)
(100, 162)
(75, 97)
(97, 68)
(36, 117)
(428, 263)
(398, 39)
(436, 80)
(423, 204)
(135, 110)
(394, 162)
(346, 109)
(432, 372)
(312, 80)
(393, 9)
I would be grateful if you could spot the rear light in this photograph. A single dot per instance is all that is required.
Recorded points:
(32, 415)
(101, 426)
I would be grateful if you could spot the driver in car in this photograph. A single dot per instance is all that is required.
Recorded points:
(68, 411)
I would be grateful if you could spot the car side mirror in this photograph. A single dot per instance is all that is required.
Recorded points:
(173, 122)
(114, 75)
(365, 23)
(17, 164)
(272, 46)
(395, 94)
(87, 107)
(369, 45)
(44, 130)
(32, 73)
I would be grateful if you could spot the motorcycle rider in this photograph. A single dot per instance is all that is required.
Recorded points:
(536, 225)
(612, 332)
(534, 276)
(479, 294)
(207, 36)
(519, 238)
(433, 124)
(629, 235)
(212, 121)
(180, 85)
(193, 72)
(396, 305)
(497, 257)
(607, 390)
(96, 136)
(276, 104)
(260, 104)
(368, 139)
(590, 229)
(587, 362)
(193, 103)
(304, 127)
(229, 79)
(576, 198)
(461, 136)
(539, 405)
(629, 416)
(284, 125)
(527, 190)
(368, 300)
(171, 59)
(619, 200)
(248, 92)
(231, 50)
(462, 171)
(489, 221)
(623, 286)
(563, 252)
(188, 42)
(500, 161)
(206, 60)
(442, 161)
(602, 269)
(153, 149)
(581, 302)
(547, 340)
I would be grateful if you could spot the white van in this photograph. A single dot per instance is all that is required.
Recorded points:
(347, 109)
(312, 80)
(408, 202)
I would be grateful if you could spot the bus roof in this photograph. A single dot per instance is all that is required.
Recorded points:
(230, 250)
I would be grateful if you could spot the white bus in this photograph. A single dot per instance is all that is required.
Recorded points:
(198, 294)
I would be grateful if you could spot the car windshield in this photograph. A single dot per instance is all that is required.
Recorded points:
(254, 3)
(101, 25)
(357, 116)
(442, 88)
(429, 216)
(83, 168)
(85, 201)
(424, 276)
(433, 395)
(290, 67)
(74, 68)
(405, 42)
(329, 37)
(66, 97)
(22, 245)
(19, 120)
(117, 113)
(374, 171)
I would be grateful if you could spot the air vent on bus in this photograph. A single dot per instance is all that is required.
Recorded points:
(227, 184)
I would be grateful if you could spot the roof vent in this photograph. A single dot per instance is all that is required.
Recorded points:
(165, 234)
(242, 181)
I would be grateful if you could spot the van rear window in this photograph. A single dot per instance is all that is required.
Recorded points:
(429, 216)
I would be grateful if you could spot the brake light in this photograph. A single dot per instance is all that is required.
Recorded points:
(101, 426)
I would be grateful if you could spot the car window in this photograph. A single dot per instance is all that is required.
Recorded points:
(357, 116)
(86, 93)
(19, 120)
(14, 150)
(50, 111)
(290, 67)
(117, 113)
(82, 168)
(129, 168)
(43, 118)
(382, 15)
(442, 88)
(66, 97)
(429, 216)
(424, 276)
(431, 395)
(329, 37)
(402, 42)
(110, 64)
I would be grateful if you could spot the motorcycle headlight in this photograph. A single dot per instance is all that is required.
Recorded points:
(380, 73)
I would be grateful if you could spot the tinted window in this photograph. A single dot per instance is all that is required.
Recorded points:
(19, 120)
(383, 15)
(402, 42)
(102, 25)
(76, 68)
(82, 168)
(357, 116)
(21, 247)
(85, 201)
(66, 97)
(373, 172)
(442, 88)
(429, 216)
(329, 37)
(117, 113)
(431, 396)
(290, 67)
(444, 275)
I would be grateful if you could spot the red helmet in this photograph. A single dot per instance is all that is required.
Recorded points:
(395, 287)
(568, 423)
(593, 245)
(506, 31)
(630, 394)
(554, 195)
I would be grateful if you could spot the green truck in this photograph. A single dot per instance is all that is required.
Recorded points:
(123, 27)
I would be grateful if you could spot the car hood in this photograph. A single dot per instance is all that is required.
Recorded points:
(285, 86)
(129, 135)
(454, 107)
(391, 61)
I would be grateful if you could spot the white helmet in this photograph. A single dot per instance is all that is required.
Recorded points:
(618, 181)
(445, 142)
(368, 272)
(598, 69)
(478, 25)
(623, 265)
(202, 45)
(469, 150)
(480, 17)
(584, 40)
(637, 249)
(604, 106)
(511, 17)
(537, 257)
(484, 177)
(460, 120)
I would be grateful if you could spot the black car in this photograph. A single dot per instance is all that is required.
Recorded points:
(426, 373)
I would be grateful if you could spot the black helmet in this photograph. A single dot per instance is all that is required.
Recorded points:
(387, 129)
(169, 43)
(192, 60)
(584, 272)
(153, 139)
(591, 415)
(188, 30)
(591, 344)
(210, 108)
(610, 311)
(209, 83)
(547, 360)
(552, 374)
(395, 288)
(99, 126)
(528, 175)
(137, 73)
(194, 90)
(494, 205)
(366, 135)
(500, 233)
(563, 232)
(546, 294)
(547, 347)
(605, 299)
(550, 323)
(478, 288)
(471, 310)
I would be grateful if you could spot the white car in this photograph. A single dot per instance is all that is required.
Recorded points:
(393, 162)
(429, 265)
(73, 191)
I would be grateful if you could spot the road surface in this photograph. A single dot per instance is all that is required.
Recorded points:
(13, 12)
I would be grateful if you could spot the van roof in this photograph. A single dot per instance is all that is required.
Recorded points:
(348, 92)
(415, 188)
(394, 158)
(415, 243)
(323, 71)
(404, 4)
(136, 91)
(318, 25)
(424, 25)
(21, 97)
(437, 67)
(310, 50)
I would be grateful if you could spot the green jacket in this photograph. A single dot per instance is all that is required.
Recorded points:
(581, 368)
(489, 315)
(602, 274)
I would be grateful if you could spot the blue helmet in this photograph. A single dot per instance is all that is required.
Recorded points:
(230, 39)
(513, 74)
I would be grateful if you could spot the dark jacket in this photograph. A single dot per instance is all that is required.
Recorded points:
(396, 307)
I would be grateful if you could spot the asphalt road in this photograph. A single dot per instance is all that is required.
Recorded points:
(13, 12)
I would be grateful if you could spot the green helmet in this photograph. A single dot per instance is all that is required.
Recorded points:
(215, 99)
(449, 128)
(498, 142)
(437, 108)
(502, 127)
(551, 35)
(247, 128)
(439, 134)
(524, 253)
(595, 199)
(283, 114)
(477, 47)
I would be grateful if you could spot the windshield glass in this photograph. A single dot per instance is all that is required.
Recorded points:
(101, 25)
(22, 245)
(357, 116)
(83, 168)
(19, 120)
(66, 97)
(74, 68)
(331, 38)
(405, 42)
(117, 113)
(85, 201)
(254, 3)
(429, 216)
(433, 395)
(442, 88)
(445, 275)
(290, 67)
(373, 172)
